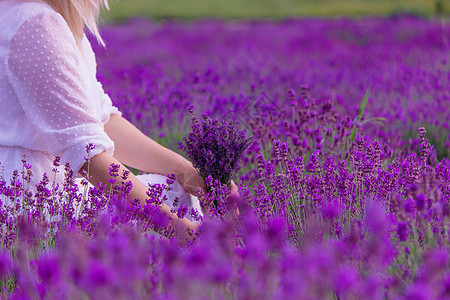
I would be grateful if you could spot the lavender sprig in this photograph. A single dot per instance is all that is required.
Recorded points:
(215, 147)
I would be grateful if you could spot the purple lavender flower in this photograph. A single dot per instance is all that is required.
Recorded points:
(403, 231)
(215, 147)
(4, 264)
(48, 269)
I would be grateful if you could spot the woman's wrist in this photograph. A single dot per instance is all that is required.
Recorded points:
(184, 166)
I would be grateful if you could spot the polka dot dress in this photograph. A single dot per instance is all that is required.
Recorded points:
(51, 102)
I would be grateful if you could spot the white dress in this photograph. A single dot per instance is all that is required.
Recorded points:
(50, 100)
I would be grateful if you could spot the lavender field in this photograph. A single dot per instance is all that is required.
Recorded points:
(344, 189)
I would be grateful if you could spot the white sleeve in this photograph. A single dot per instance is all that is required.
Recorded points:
(43, 68)
(107, 107)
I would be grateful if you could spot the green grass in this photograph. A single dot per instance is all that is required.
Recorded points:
(272, 9)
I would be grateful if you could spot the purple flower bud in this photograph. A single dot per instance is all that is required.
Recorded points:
(114, 170)
(98, 275)
(90, 147)
(182, 211)
(125, 174)
(48, 269)
(403, 231)
(56, 161)
(420, 202)
(4, 264)
(171, 178)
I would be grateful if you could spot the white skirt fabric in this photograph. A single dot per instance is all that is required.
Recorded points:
(177, 190)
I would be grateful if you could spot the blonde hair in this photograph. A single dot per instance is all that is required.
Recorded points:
(79, 14)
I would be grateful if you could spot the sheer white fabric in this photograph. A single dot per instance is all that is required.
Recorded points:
(51, 102)
(177, 191)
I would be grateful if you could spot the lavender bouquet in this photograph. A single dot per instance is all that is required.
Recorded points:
(215, 147)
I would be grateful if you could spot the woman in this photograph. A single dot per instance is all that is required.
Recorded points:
(52, 103)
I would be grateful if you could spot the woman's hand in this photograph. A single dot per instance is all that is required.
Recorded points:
(232, 196)
(234, 192)
(191, 180)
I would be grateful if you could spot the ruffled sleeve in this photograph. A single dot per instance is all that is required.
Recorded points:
(43, 66)
(107, 108)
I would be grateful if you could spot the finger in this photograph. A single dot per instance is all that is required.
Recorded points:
(234, 190)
